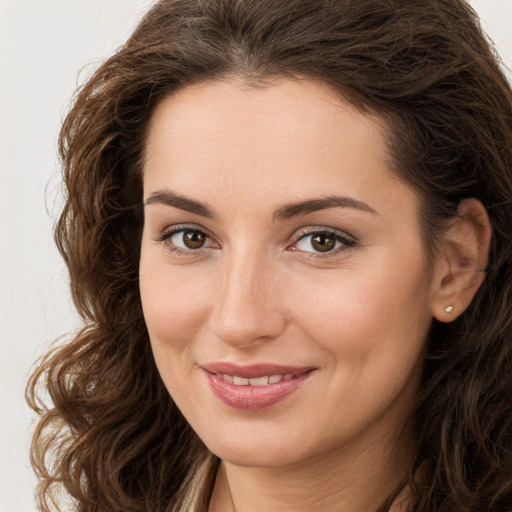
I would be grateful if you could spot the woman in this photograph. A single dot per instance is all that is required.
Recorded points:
(288, 233)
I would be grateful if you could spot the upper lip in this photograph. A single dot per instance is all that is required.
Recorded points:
(253, 371)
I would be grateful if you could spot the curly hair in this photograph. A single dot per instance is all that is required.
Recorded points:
(112, 438)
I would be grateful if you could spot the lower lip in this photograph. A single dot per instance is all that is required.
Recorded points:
(254, 397)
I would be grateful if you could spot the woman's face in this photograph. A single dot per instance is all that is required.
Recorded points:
(282, 276)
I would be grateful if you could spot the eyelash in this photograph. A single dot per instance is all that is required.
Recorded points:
(346, 241)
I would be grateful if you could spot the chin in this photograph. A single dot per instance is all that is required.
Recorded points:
(257, 455)
(257, 449)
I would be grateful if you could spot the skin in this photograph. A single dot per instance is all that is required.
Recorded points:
(258, 291)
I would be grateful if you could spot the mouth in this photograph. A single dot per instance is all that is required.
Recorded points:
(254, 387)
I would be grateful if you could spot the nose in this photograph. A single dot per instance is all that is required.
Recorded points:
(247, 308)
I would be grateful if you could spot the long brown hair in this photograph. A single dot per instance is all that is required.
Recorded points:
(112, 438)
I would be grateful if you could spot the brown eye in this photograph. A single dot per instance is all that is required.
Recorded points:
(323, 242)
(193, 239)
(188, 240)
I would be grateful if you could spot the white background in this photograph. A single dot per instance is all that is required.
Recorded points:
(44, 44)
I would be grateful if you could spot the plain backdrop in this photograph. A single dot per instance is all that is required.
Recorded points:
(47, 47)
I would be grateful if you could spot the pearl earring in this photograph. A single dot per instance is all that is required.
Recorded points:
(449, 309)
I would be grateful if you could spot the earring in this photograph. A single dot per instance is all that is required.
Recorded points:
(449, 309)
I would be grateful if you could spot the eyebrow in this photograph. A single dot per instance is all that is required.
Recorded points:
(313, 205)
(169, 198)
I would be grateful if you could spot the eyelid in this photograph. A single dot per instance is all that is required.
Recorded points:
(308, 230)
(165, 233)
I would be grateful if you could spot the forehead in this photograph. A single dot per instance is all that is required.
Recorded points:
(292, 137)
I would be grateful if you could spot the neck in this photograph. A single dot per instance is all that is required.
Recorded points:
(352, 481)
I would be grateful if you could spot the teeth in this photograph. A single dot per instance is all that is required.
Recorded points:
(259, 381)
(256, 381)
(240, 381)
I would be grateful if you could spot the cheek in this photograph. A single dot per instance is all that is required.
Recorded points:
(171, 311)
(172, 303)
(371, 330)
(358, 315)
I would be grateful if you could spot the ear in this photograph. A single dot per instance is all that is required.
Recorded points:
(462, 259)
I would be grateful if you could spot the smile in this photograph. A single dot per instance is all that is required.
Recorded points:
(254, 387)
